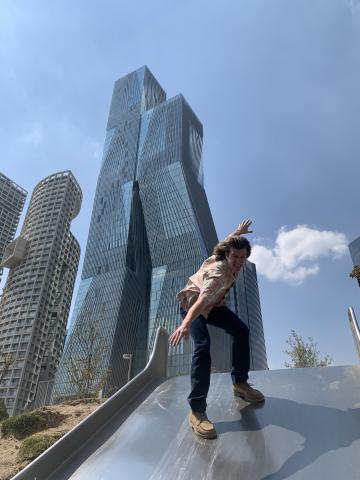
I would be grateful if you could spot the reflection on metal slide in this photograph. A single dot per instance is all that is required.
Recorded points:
(355, 329)
(308, 428)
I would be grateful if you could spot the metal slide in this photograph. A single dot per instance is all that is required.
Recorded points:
(355, 329)
(308, 428)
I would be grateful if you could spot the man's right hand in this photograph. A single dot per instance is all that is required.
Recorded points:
(184, 329)
(243, 227)
(180, 333)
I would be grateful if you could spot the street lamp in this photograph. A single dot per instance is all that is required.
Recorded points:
(129, 356)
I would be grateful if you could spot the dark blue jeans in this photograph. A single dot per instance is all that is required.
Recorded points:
(224, 318)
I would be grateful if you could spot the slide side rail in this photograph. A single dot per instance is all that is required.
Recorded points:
(59, 453)
(354, 329)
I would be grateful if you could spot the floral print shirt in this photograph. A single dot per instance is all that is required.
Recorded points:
(213, 281)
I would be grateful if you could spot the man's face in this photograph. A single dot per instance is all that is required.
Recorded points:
(236, 259)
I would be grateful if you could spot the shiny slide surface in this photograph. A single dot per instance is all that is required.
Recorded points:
(307, 428)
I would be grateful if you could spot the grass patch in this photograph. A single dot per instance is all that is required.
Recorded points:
(3, 412)
(23, 425)
(33, 446)
(27, 423)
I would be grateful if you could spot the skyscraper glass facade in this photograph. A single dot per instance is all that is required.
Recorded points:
(354, 248)
(249, 310)
(12, 199)
(151, 228)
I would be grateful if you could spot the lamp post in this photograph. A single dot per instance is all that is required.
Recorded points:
(129, 356)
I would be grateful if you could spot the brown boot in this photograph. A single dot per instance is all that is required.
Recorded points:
(249, 394)
(201, 425)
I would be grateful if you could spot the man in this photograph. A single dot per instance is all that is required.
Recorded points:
(203, 302)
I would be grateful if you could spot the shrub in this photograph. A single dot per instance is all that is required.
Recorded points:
(23, 425)
(3, 412)
(33, 446)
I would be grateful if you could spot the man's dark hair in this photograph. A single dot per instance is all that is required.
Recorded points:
(223, 248)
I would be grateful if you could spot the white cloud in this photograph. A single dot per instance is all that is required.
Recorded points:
(295, 254)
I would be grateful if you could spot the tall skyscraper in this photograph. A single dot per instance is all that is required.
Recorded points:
(244, 300)
(12, 199)
(151, 228)
(249, 310)
(43, 262)
(354, 248)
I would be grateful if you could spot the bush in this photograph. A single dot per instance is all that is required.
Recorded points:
(23, 425)
(3, 412)
(33, 446)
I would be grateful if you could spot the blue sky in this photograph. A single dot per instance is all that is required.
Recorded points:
(275, 84)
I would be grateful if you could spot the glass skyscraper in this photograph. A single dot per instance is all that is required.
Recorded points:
(354, 248)
(151, 228)
(12, 199)
(249, 310)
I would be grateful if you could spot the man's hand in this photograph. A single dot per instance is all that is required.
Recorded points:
(180, 333)
(244, 227)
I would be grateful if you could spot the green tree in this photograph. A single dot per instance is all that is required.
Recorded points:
(304, 354)
(85, 361)
(6, 361)
(355, 273)
(3, 412)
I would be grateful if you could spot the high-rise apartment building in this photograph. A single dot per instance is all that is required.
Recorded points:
(12, 199)
(151, 228)
(43, 262)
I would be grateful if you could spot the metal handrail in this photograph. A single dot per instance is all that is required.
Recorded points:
(354, 328)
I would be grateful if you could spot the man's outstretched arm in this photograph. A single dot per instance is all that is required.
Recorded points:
(242, 229)
(193, 312)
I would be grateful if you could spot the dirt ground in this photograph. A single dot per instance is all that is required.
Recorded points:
(65, 416)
